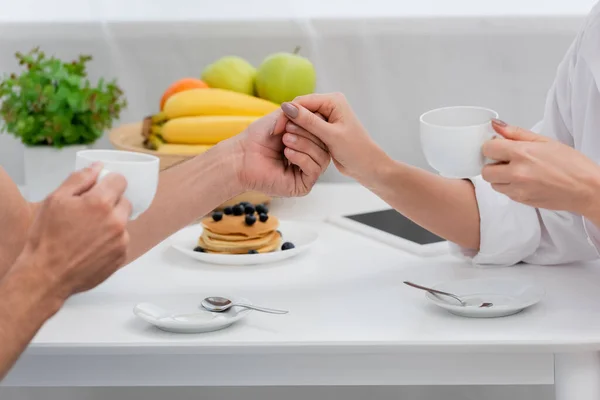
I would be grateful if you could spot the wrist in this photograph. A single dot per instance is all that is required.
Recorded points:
(375, 174)
(42, 290)
(589, 204)
(225, 161)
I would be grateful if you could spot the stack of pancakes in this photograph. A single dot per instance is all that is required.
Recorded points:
(232, 235)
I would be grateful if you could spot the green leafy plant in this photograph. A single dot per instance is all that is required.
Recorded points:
(53, 103)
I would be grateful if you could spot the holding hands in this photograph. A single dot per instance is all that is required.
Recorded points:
(329, 119)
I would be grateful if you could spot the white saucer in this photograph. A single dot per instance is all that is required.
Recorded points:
(191, 319)
(509, 296)
(301, 235)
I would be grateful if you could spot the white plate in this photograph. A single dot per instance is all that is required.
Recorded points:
(301, 235)
(190, 319)
(509, 296)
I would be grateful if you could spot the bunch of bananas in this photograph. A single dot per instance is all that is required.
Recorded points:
(194, 120)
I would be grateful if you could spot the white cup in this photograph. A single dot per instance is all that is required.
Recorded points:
(140, 170)
(452, 138)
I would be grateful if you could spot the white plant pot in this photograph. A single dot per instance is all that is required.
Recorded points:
(46, 168)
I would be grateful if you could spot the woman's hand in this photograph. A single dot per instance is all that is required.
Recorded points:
(541, 172)
(353, 151)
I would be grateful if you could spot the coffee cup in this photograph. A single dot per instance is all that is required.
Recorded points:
(139, 170)
(452, 139)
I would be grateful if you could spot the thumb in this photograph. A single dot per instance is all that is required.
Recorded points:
(80, 182)
(516, 133)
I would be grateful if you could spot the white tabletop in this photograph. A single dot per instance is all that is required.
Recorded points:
(345, 293)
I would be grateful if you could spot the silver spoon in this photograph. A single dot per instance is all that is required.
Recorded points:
(221, 304)
(439, 292)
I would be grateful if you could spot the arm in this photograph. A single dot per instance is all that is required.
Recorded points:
(16, 215)
(186, 192)
(443, 206)
(28, 300)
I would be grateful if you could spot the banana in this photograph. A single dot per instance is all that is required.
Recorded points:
(202, 129)
(156, 143)
(212, 101)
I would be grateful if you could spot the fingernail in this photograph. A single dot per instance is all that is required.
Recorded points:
(289, 151)
(291, 138)
(290, 110)
(499, 122)
(291, 127)
(95, 166)
(272, 129)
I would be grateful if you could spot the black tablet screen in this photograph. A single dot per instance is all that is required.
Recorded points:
(391, 221)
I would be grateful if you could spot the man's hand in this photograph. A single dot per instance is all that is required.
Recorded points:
(79, 236)
(540, 172)
(263, 166)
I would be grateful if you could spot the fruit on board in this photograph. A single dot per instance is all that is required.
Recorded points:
(204, 129)
(283, 76)
(213, 101)
(231, 73)
(156, 143)
(181, 85)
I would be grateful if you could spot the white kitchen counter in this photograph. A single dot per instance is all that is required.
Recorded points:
(351, 321)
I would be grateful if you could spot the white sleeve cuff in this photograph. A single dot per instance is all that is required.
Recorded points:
(593, 234)
(509, 231)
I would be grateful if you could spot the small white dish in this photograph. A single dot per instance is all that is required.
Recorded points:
(509, 296)
(189, 320)
(301, 235)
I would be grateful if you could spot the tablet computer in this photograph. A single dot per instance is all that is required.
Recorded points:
(391, 227)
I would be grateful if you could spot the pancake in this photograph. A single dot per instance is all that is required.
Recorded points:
(245, 245)
(230, 234)
(266, 248)
(230, 238)
(236, 225)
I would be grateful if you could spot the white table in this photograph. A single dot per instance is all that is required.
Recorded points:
(352, 322)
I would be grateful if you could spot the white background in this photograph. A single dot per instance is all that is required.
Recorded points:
(392, 59)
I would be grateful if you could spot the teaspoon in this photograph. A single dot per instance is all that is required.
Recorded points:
(439, 292)
(221, 304)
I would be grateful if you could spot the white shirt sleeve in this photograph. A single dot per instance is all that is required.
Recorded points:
(511, 232)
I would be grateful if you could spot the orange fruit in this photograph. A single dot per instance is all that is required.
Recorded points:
(180, 86)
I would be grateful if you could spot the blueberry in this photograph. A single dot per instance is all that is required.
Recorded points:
(199, 249)
(250, 219)
(249, 209)
(228, 211)
(217, 216)
(237, 210)
(245, 204)
(287, 246)
(263, 217)
(253, 252)
(262, 209)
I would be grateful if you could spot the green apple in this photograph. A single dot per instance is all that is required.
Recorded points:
(231, 73)
(283, 76)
